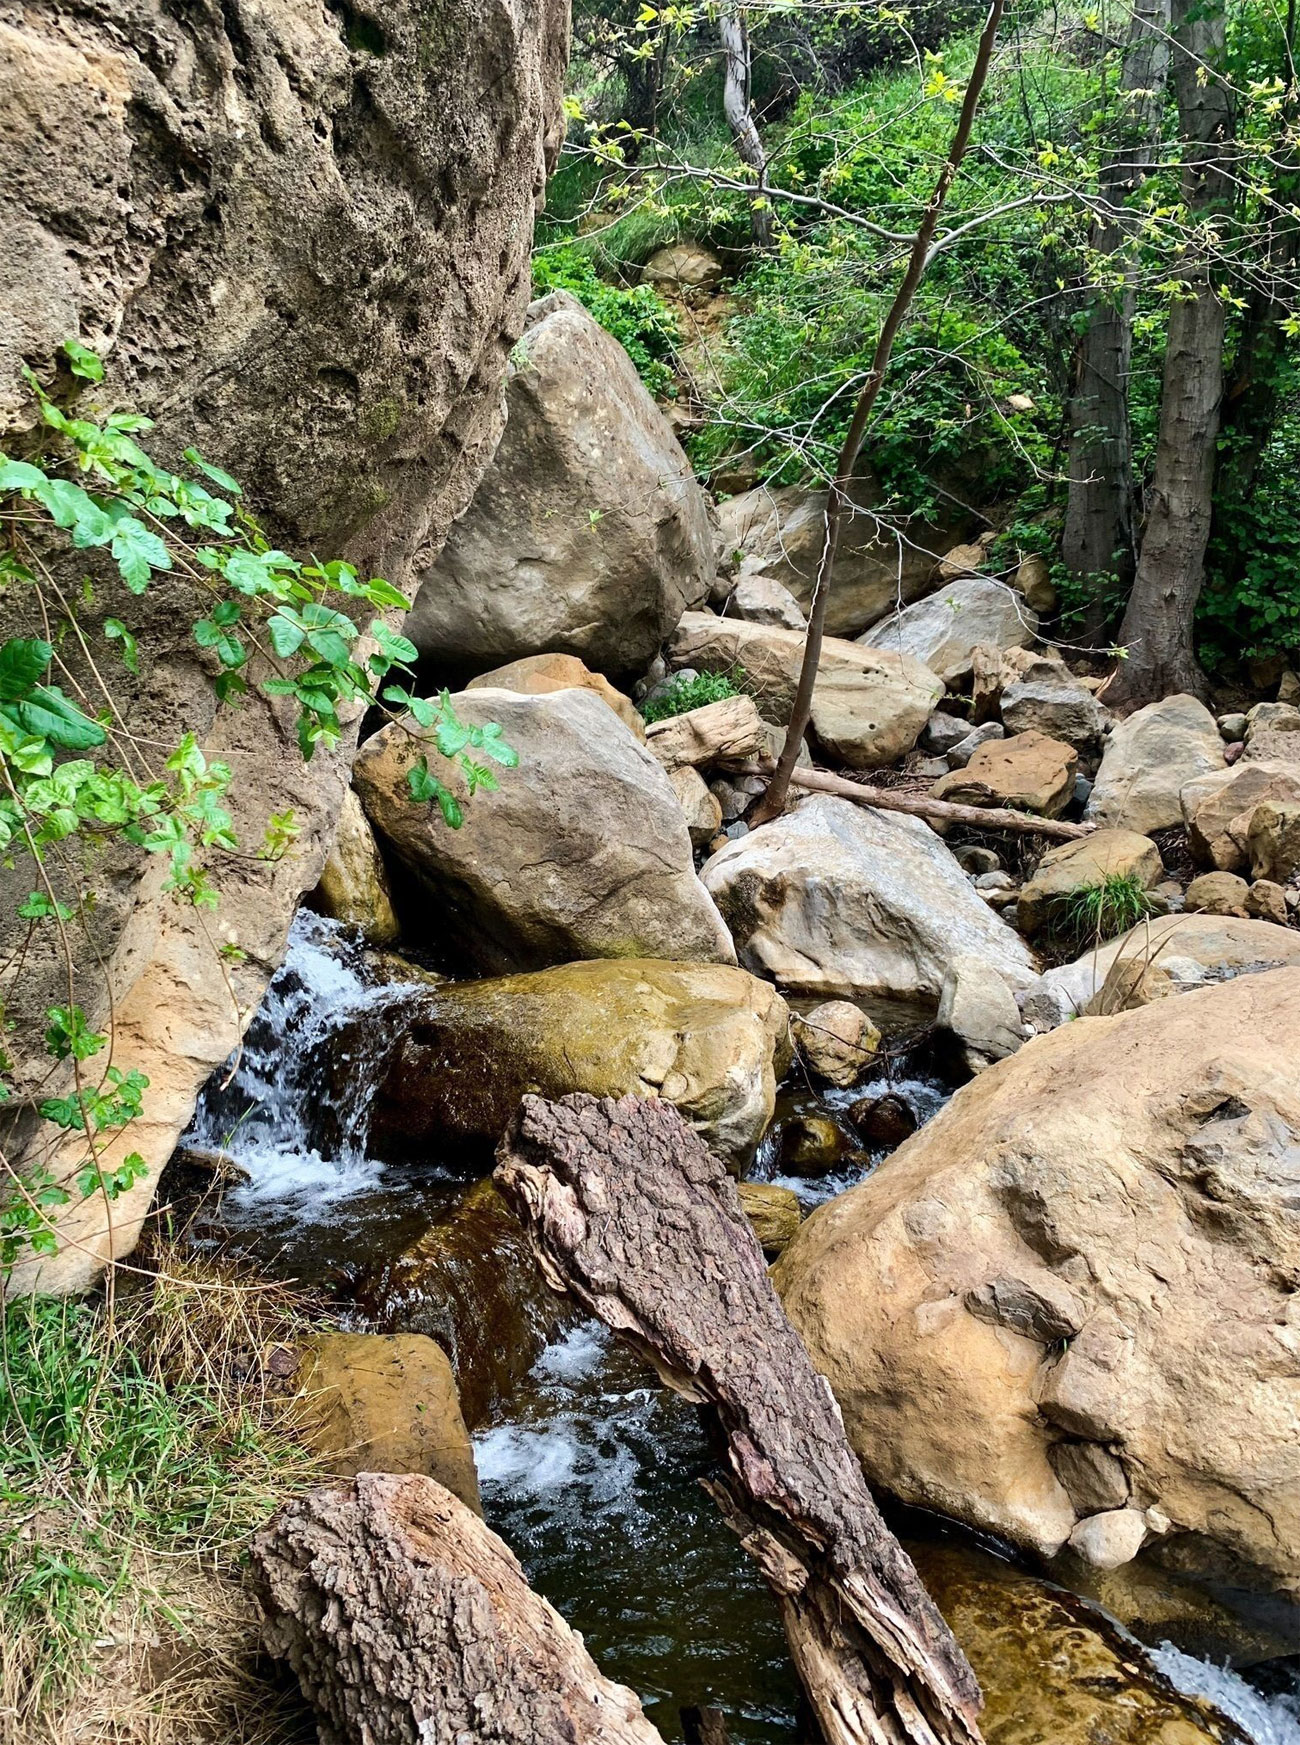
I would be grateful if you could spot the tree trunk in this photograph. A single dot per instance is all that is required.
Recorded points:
(407, 1620)
(1098, 541)
(740, 117)
(1158, 625)
(629, 1213)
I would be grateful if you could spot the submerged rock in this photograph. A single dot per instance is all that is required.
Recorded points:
(869, 705)
(373, 1402)
(584, 851)
(708, 1038)
(588, 534)
(840, 900)
(1138, 1176)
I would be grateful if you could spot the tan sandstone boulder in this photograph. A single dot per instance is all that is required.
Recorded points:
(538, 674)
(729, 731)
(707, 1037)
(836, 900)
(837, 1041)
(1149, 759)
(774, 1214)
(354, 885)
(1097, 1242)
(869, 705)
(588, 534)
(1273, 838)
(1075, 866)
(374, 1402)
(1218, 808)
(584, 851)
(1030, 772)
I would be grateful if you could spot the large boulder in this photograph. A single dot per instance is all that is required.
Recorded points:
(589, 534)
(709, 1038)
(840, 900)
(1168, 954)
(1095, 1246)
(1040, 694)
(210, 197)
(945, 628)
(1149, 759)
(779, 532)
(536, 675)
(869, 706)
(1219, 808)
(584, 851)
(1072, 867)
(1030, 772)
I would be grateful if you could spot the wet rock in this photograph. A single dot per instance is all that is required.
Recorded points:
(709, 1038)
(884, 1120)
(536, 675)
(374, 1402)
(1053, 1671)
(1218, 808)
(1148, 1163)
(811, 1145)
(472, 1284)
(700, 808)
(583, 852)
(1045, 697)
(354, 884)
(1075, 866)
(763, 600)
(836, 900)
(729, 731)
(979, 1009)
(1149, 759)
(1273, 838)
(943, 630)
(837, 1041)
(869, 706)
(1217, 893)
(779, 532)
(1029, 772)
(774, 1212)
(588, 535)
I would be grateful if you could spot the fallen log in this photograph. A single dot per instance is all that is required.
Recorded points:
(920, 805)
(629, 1213)
(408, 1622)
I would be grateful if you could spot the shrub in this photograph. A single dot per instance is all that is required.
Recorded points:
(682, 694)
(1107, 909)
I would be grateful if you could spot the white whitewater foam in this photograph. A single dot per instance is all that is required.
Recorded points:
(1268, 1720)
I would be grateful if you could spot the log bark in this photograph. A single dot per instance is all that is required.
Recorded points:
(1158, 624)
(629, 1213)
(922, 806)
(1098, 539)
(408, 1622)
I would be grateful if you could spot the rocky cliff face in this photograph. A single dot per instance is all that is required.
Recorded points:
(298, 232)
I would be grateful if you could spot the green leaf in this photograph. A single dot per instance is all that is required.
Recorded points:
(84, 362)
(218, 477)
(382, 593)
(19, 475)
(53, 717)
(116, 631)
(496, 748)
(23, 660)
(139, 553)
(65, 502)
(286, 636)
(396, 648)
(425, 787)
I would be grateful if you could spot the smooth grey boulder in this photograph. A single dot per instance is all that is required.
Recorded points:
(945, 629)
(1149, 759)
(840, 900)
(588, 534)
(583, 853)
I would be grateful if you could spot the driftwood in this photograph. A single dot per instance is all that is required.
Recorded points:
(408, 1622)
(629, 1213)
(921, 805)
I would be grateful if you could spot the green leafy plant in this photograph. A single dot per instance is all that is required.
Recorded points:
(682, 694)
(636, 315)
(1106, 909)
(73, 774)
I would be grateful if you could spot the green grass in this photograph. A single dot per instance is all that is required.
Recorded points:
(683, 694)
(1107, 909)
(138, 1451)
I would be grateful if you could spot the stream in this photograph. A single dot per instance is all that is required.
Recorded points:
(588, 1467)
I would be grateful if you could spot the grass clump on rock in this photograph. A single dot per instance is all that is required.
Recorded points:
(141, 1443)
(1108, 908)
(681, 694)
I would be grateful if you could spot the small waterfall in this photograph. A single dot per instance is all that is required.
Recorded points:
(1265, 1719)
(300, 1145)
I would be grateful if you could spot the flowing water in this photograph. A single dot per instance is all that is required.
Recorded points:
(589, 1470)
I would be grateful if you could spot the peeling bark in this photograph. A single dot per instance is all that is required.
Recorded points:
(629, 1213)
(408, 1622)
(734, 35)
